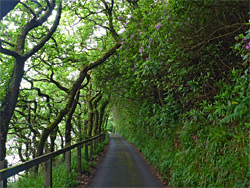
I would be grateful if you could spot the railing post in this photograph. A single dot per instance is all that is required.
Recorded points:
(3, 164)
(91, 148)
(86, 151)
(103, 137)
(79, 159)
(48, 171)
(95, 144)
(68, 161)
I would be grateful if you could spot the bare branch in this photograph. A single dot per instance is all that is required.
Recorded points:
(9, 52)
(37, 89)
(90, 13)
(54, 41)
(105, 27)
(27, 7)
(209, 38)
(58, 84)
(39, 93)
(38, 4)
(31, 25)
(3, 41)
(48, 3)
(48, 36)
(88, 79)
(106, 6)
(104, 57)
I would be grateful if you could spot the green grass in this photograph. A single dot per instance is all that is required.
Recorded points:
(59, 175)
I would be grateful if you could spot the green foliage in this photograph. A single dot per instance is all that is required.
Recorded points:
(181, 94)
(6, 68)
(50, 73)
(178, 85)
(60, 178)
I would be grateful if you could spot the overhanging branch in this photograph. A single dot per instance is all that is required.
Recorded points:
(48, 36)
(31, 11)
(104, 57)
(9, 52)
(3, 41)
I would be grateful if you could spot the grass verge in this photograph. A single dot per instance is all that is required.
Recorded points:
(60, 178)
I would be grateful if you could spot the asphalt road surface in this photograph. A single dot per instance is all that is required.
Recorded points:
(122, 166)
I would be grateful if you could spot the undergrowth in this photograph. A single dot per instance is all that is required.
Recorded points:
(186, 102)
(206, 146)
(60, 178)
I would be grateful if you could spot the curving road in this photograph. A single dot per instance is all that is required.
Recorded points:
(122, 166)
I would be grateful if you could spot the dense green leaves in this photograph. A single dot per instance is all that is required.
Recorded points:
(54, 73)
(181, 93)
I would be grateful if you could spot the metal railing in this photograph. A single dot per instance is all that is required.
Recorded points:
(47, 158)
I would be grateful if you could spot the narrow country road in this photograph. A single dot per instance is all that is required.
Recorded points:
(122, 166)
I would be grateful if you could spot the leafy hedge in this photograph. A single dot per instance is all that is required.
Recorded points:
(180, 89)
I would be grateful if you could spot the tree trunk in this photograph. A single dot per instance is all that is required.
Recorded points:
(91, 114)
(9, 104)
(53, 138)
(96, 113)
(101, 116)
(90, 123)
(105, 124)
(68, 133)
